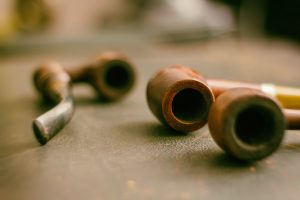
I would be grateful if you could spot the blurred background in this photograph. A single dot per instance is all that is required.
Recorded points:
(164, 20)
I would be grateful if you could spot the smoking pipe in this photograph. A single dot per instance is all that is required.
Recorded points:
(249, 125)
(111, 75)
(53, 83)
(180, 97)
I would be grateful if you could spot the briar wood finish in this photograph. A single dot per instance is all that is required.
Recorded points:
(111, 74)
(179, 97)
(54, 84)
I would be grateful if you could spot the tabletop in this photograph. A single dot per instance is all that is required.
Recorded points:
(119, 150)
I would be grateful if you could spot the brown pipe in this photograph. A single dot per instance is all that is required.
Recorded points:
(248, 124)
(55, 85)
(168, 113)
(287, 94)
(112, 75)
(179, 97)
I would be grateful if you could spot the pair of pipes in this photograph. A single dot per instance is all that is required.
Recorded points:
(245, 120)
(111, 75)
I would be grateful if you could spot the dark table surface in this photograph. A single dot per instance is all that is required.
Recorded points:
(119, 150)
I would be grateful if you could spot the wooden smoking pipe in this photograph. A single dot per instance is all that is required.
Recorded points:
(54, 84)
(180, 97)
(249, 125)
(111, 75)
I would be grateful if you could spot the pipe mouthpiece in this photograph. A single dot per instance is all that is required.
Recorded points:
(40, 132)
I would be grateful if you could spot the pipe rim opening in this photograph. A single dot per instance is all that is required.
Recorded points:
(117, 76)
(255, 125)
(189, 105)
